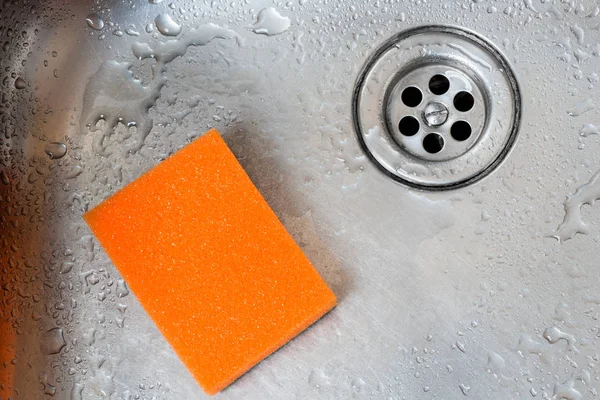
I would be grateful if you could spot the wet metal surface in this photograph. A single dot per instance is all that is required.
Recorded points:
(454, 294)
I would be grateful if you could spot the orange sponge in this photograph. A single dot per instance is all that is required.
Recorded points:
(210, 262)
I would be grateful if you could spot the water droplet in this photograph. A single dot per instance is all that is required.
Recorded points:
(269, 22)
(66, 267)
(529, 5)
(94, 21)
(167, 26)
(581, 56)
(553, 335)
(77, 391)
(582, 107)
(49, 389)
(93, 278)
(4, 178)
(74, 172)
(567, 391)
(122, 289)
(589, 129)
(53, 341)
(572, 222)
(20, 83)
(55, 150)
(132, 32)
(149, 28)
(579, 34)
(155, 1)
(464, 389)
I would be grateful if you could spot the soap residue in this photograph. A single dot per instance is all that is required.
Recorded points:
(114, 96)
(269, 22)
(165, 52)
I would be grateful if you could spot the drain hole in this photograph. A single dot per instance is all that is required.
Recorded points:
(408, 126)
(433, 143)
(412, 96)
(439, 84)
(461, 130)
(464, 101)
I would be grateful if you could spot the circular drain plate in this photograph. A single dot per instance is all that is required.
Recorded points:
(437, 107)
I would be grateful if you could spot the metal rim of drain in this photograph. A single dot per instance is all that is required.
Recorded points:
(437, 107)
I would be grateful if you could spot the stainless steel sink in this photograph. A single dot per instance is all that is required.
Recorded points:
(488, 289)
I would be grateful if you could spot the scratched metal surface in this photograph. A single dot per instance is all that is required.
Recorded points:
(444, 295)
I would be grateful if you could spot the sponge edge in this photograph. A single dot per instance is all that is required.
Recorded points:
(210, 262)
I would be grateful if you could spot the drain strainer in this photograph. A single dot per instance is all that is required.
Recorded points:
(437, 107)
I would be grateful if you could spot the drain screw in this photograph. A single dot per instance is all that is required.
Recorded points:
(435, 114)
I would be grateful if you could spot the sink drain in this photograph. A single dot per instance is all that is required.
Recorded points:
(437, 107)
